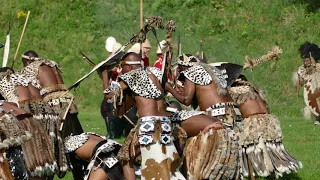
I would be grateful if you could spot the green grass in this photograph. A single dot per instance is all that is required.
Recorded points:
(229, 29)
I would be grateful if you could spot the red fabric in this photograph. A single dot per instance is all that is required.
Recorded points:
(158, 62)
(145, 60)
(114, 75)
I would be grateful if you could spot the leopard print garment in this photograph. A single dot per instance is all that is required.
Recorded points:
(156, 72)
(141, 84)
(240, 94)
(183, 115)
(74, 142)
(19, 79)
(198, 75)
(31, 71)
(7, 89)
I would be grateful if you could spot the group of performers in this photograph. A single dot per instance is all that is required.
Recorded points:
(230, 134)
(41, 135)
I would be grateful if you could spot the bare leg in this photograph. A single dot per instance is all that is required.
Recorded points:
(317, 122)
(98, 174)
(128, 171)
(195, 124)
(85, 153)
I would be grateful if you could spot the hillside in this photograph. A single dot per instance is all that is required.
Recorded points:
(230, 30)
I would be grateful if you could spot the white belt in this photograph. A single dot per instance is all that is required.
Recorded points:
(222, 111)
(57, 101)
(217, 111)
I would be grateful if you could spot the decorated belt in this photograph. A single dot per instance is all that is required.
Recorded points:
(153, 118)
(147, 130)
(220, 109)
(53, 88)
(57, 101)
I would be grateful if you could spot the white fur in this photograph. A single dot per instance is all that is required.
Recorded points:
(294, 78)
(155, 152)
(307, 114)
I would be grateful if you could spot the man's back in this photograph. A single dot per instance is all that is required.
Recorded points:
(208, 95)
(253, 106)
(47, 76)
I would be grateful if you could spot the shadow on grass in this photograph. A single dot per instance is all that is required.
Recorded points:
(291, 176)
(312, 5)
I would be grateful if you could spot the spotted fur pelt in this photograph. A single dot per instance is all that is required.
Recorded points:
(141, 84)
(212, 155)
(7, 89)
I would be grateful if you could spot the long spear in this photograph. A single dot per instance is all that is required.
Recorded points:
(24, 28)
(141, 25)
(153, 22)
(88, 59)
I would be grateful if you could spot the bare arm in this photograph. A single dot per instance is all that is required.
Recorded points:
(105, 79)
(186, 96)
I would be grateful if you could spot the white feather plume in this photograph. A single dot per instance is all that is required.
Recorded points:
(6, 50)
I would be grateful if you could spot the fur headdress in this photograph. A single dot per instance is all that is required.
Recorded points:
(308, 48)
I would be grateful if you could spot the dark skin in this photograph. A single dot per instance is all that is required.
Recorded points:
(145, 106)
(8, 106)
(28, 93)
(252, 107)
(206, 96)
(197, 123)
(49, 76)
(150, 107)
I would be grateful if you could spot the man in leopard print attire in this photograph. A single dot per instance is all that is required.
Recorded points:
(23, 139)
(207, 89)
(160, 159)
(81, 148)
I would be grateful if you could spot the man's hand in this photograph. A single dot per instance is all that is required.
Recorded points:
(214, 126)
(179, 89)
(168, 87)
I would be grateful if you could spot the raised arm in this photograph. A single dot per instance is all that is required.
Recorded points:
(105, 78)
(187, 95)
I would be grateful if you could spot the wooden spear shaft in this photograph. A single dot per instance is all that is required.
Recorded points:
(141, 25)
(24, 28)
(141, 14)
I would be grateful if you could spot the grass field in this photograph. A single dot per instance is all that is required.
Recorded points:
(229, 29)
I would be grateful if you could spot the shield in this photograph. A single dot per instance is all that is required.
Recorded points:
(312, 93)
(229, 71)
